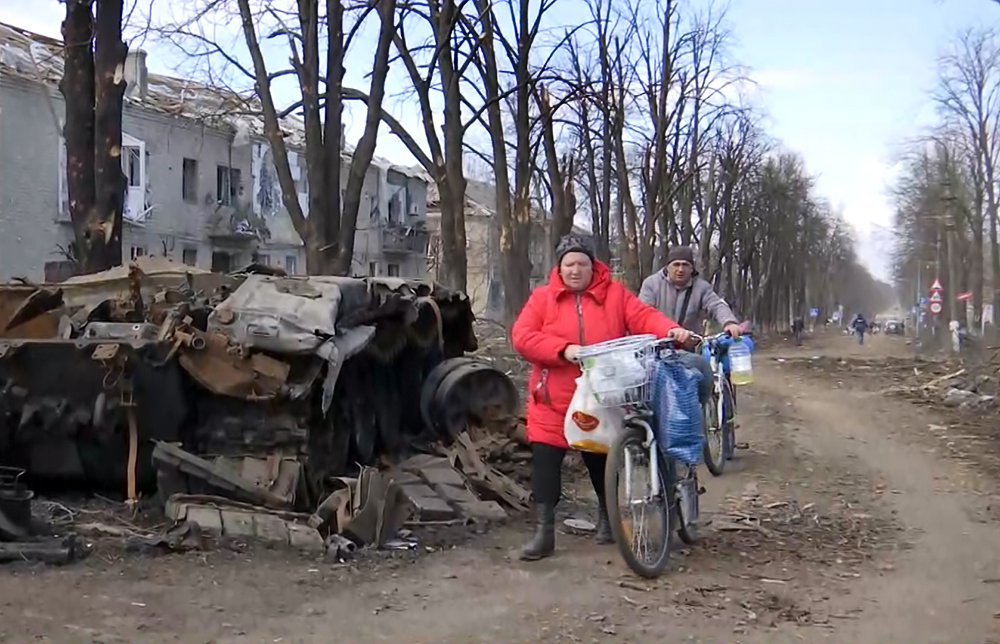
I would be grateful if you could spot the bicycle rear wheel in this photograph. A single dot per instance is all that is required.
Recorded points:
(729, 419)
(639, 520)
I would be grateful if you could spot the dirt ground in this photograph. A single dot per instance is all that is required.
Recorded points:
(850, 518)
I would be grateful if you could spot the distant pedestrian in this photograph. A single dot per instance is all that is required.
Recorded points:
(798, 326)
(860, 325)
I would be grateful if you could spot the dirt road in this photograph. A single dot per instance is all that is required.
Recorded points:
(844, 521)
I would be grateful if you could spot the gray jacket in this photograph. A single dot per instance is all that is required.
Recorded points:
(659, 292)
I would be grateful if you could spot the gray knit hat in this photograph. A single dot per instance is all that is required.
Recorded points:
(680, 254)
(573, 243)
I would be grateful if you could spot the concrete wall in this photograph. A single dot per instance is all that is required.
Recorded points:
(29, 192)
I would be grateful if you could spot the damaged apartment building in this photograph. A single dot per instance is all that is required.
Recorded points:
(202, 188)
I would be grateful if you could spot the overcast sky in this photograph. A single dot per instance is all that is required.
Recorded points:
(843, 83)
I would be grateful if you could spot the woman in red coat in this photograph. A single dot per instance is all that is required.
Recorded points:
(579, 305)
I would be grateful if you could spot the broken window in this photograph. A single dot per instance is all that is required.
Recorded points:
(392, 270)
(190, 256)
(221, 262)
(395, 208)
(189, 180)
(227, 185)
(132, 162)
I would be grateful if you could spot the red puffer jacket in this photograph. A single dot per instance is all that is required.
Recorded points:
(554, 318)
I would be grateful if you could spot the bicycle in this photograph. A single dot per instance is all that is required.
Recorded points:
(720, 412)
(665, 490)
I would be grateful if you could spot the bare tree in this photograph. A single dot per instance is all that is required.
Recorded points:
(93, 90)
(514, 204)
(968, 96)
(328, 227)
(440, 64)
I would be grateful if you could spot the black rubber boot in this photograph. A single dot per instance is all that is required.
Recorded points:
(603, 535)
(543, 543)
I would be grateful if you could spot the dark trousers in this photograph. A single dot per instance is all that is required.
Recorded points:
(546, 472)
(693, 360)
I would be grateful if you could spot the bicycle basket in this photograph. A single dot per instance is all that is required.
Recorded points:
(619, 371)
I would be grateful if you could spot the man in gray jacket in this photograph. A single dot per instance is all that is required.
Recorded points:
(681, 295)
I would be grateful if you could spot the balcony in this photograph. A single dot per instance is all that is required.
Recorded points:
(406, 239)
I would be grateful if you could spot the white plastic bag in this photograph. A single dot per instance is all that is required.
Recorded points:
(611, 376)
(590, 427)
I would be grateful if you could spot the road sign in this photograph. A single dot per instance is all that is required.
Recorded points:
(923, 300)
(961, 297)
(936, 297)
(935, 308)
(936, 286)
(814, 313)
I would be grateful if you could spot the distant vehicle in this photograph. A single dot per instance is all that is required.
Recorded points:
(893, 327)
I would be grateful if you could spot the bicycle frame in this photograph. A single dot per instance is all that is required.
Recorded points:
(715, 348)
(639, 415)
(654, 457)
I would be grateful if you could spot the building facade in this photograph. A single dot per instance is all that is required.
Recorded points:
(202, 187)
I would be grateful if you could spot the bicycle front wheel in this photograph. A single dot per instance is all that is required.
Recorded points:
(640, 520)
(714, 450)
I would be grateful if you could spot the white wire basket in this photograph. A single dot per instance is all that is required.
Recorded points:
(619, 371)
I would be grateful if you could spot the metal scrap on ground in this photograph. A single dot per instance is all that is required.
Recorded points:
(250, 400)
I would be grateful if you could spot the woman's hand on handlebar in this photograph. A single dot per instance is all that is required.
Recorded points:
(680, 336)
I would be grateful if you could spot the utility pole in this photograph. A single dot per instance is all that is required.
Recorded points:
(937, 273)
(952, 288)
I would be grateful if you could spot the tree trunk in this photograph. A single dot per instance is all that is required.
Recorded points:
(109, 93)
(365, 149)
(275, 138)
(515, 246)
(560, 182)
(333, 136)
(502, 232)
(77, 88)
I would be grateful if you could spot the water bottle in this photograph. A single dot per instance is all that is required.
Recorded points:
(741, 368)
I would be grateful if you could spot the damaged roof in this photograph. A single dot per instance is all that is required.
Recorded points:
(39, 58)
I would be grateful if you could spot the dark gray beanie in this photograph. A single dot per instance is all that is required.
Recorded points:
(573, 243)
(682, 254)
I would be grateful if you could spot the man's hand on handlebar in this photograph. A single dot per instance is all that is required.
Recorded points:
(733, 330)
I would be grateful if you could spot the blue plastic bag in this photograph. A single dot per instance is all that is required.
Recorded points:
(678, 411)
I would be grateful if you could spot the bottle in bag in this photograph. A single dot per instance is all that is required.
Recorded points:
(741, 367)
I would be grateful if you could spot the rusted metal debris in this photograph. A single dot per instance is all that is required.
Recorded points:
(259, 389)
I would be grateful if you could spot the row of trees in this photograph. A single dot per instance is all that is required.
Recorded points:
(632, 118)
(947, 204)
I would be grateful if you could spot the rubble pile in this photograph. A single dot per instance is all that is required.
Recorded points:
(494, 347)
(254, 405)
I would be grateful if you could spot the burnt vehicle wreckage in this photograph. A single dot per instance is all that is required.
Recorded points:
(250, 399)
